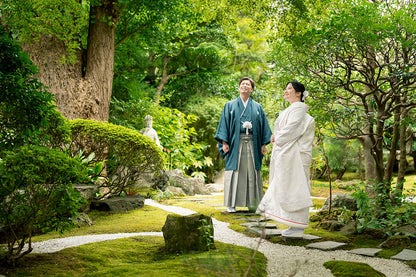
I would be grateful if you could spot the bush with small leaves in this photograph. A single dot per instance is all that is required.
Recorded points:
(128, 154)
(36, 195)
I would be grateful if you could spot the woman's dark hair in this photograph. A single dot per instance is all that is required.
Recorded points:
(298, 87)
(247, 78)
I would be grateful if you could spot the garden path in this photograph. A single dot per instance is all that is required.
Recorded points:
(283, 260)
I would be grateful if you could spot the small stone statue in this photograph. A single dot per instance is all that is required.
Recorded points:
(148, 131)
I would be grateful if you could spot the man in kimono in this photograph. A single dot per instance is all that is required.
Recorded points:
(242, 135)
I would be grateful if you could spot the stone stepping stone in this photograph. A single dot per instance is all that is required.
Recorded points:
(252, 219)
(370, 252)
(192, 200)
(302, 237)
(405, 255)
(259, 225)
(267, 233)
(245, 213)
(326, 245)
(239, 213)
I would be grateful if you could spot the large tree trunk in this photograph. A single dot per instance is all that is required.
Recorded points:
(100, 58)
(61, 79)
(403, 152)
(369, 162)
(394, 142)
(80, 94)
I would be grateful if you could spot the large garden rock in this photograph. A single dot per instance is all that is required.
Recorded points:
(331, 225)
(175, 190)
(165, 180)
(407, 229)
(340, 200)
(118, 204)
(396, 242)
(88, 192)
(188, 233)
(189, 185)
(349, 229)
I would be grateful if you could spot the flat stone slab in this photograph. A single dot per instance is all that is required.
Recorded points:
(259, 225)
(251, 219)
(405, 255)
(192, 200)
(238, 213)
(265, 232)
(370, 252)
(302, 237)
(326, 245)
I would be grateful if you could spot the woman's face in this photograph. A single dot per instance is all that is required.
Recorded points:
(290, 94)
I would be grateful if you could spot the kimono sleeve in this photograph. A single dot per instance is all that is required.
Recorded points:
(293, 129)
(267, 132)
(223, 130)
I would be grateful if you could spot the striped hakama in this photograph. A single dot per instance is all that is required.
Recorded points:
(243, 187)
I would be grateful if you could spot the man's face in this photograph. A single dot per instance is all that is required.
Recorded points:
(245, 88)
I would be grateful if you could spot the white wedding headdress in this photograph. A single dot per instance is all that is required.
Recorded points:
(305, 95)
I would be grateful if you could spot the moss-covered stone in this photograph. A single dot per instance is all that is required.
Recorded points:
(396, 242)
(188, 233)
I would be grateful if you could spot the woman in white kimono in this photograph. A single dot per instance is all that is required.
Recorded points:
(287, 200)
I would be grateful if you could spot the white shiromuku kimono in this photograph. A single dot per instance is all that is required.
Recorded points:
(288, 198)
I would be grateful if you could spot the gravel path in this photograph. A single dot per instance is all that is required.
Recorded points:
(282, 260)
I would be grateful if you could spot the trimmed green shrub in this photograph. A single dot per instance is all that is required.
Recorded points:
(36, 195)
(128, 154)
(174, 128)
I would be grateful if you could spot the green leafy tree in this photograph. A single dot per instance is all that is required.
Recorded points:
(342, 156)
(24, 103)
(359, 59)
(209, 111)
(85, 34)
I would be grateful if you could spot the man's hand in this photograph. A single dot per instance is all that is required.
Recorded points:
(263, 149)
(225, 147)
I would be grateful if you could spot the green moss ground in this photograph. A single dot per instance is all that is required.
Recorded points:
(351, 269)
(144, 256)
(139, 256)
(147, 219)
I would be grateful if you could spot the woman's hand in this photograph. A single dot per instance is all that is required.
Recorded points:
(272, 139)
(225, 147)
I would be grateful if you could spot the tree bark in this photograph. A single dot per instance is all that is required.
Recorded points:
(82, 89)
(403, 152)
(369, 163)
(360, 158)
(100, 59)
(394, 142)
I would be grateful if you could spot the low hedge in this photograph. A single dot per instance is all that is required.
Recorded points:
(128, 154)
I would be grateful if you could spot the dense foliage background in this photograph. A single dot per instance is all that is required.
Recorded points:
(180, 61)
